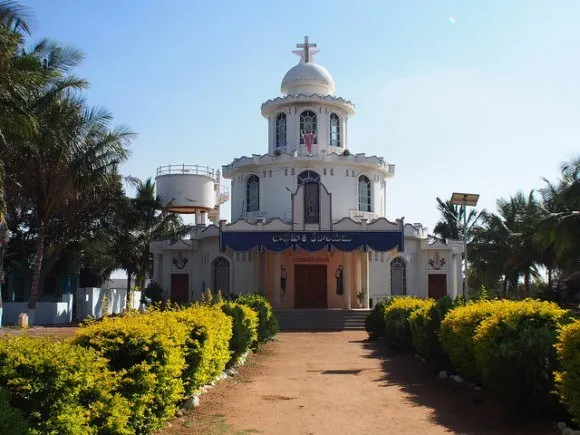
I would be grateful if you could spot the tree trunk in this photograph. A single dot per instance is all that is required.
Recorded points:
(527, 282)
(128, 303)
(549, 280)
(38, 257)
(505, 284)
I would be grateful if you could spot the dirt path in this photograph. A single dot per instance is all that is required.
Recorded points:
(336, 383)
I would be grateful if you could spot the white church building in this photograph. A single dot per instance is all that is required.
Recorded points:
(309, 225)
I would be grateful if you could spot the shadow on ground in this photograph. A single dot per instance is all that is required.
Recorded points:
(461, 409)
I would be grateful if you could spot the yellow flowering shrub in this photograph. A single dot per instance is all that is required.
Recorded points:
(458, 329)
(268, 323)
(59, 388)
(244, 329)
(515, 352)
(425, 323)
(375, 321)
(206, 348)
(397, 328)
(568, 375)
(144, 350)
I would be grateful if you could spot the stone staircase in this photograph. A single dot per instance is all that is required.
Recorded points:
(321, 320)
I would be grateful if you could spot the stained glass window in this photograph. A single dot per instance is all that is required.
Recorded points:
(334, 130)
(253, 194)
(364, 194)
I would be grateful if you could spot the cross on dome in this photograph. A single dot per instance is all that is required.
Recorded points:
(307, 52)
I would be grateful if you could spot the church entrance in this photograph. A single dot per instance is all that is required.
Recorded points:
(437, 285)
(179, 287)
(311, 285)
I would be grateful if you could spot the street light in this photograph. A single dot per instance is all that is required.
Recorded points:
(465, 199)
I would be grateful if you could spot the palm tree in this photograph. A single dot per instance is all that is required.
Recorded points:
(74, 156)
(144, 221)
(451, 224)
(561, 221)
(505, 246)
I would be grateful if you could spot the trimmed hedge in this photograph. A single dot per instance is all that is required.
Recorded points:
(375, 321)
(568, 376)
(244, 328)
(149, 357)
(206, 349)
(60, 388)
(515, 352)
(425, 323)
(457, 332)
(122, 375)
(11, 419)
(397, 327)
(268, 323)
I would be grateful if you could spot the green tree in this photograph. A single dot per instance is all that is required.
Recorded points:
(143, 221)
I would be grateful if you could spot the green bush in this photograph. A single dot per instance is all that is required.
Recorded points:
(244, 329)
(515, 352)
(206, 348)
(268, 323)
(11, 419)
(397, 327)
(457, 332)
(146, 355)
(60, 388)
(568, 376)
(375, 321)
(425, 323)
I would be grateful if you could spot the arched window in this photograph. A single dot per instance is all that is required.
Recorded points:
(364, 194)
(221, 275)
(253, 193)
(311, 181)
(334, 130)
(398, 277)
(281, 130)
(308, 125)
(308, 175)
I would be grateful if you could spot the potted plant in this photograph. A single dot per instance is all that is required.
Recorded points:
(277, 152)
(346, 152)
(361, 296)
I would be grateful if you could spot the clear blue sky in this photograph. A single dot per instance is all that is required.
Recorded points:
(488, 104)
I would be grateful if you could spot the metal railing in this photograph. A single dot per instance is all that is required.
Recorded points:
(186, 169)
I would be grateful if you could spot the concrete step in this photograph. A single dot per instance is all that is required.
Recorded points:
(321, 320)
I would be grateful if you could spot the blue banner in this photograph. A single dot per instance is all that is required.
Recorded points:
(312, 241)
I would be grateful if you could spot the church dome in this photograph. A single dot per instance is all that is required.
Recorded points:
(307, 78)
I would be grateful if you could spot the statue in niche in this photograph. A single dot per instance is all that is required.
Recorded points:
(339, 283)
(283, 276)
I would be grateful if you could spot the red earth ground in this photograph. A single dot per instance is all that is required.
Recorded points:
(338, 383)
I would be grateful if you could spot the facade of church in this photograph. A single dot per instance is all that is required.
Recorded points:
(309, 226)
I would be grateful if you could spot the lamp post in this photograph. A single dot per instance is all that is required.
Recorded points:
(465, 199)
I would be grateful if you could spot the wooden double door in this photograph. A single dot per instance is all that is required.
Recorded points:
(179, 288)
(437, 285)
(310, 286)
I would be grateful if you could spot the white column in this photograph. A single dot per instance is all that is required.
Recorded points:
(358, 279)
(346, 279)
(197, 217)
(276, 286)
(365, 277)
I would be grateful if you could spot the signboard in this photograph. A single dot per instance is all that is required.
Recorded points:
(307, 259)
(312, 241)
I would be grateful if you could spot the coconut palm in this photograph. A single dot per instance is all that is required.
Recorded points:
(144, 221)
(560, 226)
(73, 158)
(451, 224)
(505, 246)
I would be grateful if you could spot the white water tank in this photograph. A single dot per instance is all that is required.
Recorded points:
(187, 189)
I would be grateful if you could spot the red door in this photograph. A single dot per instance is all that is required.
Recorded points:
(179, 287)
(310, 286)
(437, 285)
